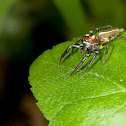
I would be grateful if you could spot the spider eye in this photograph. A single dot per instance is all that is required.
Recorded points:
(91, 32)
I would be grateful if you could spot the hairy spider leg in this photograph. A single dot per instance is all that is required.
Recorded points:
(80, 39)
(107, 26)
(68, 49)
(93, 58)
(120, 37)
(82, 61)
(107, 46)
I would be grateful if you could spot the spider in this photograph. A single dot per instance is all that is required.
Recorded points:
(91, 44)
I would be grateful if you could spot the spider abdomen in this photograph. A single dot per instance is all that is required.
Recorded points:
(108, 35)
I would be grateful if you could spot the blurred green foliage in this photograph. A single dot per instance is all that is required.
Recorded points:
(19, 17)
(4, 8)
(82, 14)
(73, 15)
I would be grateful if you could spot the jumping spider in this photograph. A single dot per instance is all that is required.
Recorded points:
(93, 43)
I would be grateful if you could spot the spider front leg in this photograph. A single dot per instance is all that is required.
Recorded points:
(68, 49)
(80, 39)
(82, 61)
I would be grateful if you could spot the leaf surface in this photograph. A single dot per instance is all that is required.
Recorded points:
(97, 97)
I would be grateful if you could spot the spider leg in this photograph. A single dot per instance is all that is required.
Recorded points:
(82, 61)
(67, 50)
(107, 46)
(96, 52)
(120, 37)
(80, 39)
(107, 26)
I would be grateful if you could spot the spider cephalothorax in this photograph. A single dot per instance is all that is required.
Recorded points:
(92, 43)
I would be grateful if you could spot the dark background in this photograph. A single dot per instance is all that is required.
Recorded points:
(27, 29)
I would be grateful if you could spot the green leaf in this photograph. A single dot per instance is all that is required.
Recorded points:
(97, 97)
